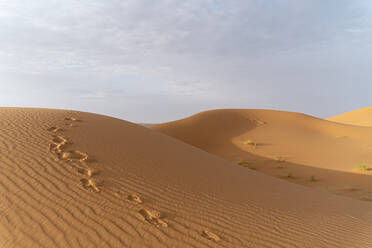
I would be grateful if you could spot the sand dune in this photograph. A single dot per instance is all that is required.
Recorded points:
(359, 117)
(299, 148)
(73, 179)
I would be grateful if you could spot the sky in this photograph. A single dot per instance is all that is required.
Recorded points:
(152, 61)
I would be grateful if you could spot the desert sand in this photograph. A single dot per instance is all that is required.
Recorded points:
(359, 117)
(302, 149)
(74, 179)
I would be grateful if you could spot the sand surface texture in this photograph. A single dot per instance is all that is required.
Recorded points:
(72, 179)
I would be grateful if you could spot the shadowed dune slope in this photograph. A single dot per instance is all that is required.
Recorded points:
(359, 117)
(73, 179)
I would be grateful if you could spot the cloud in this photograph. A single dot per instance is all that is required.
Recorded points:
(93, 95)
(215, 53)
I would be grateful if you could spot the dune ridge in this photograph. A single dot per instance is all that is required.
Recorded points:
(359, 117)
(74, 179)
(295, 147)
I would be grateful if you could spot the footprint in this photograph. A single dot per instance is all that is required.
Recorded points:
(57, 144)
(88, 172)
(211, 236)
(58, 147)
(74, 155)
(73, 119)
(54, 129)
(91, 184)
(153, 217)
(134, 198)
(259, 122)
(71, 125)
(70, 119)
(59, 140)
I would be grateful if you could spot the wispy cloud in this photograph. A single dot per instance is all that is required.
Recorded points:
(215, 53)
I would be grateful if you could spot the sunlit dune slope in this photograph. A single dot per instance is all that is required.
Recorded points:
(359, 117)
(73, 179)
(286, 145)
(298, 137)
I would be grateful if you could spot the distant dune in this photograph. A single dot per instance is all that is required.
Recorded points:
(302, 149)
(359, 117)
(74, 179)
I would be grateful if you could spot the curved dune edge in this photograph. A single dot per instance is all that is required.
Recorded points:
(359, 117)
(73, 179)
(296, 147)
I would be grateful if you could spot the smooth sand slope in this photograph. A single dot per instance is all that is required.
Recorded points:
(299, 148)
(359, 117)
(72, 179)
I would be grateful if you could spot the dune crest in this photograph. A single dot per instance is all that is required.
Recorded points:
(295, 147)
(128, 186)
(359, 117)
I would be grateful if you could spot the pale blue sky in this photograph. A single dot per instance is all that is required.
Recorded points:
(153, 61)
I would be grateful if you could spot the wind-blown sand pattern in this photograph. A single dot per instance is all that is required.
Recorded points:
(189, 198)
